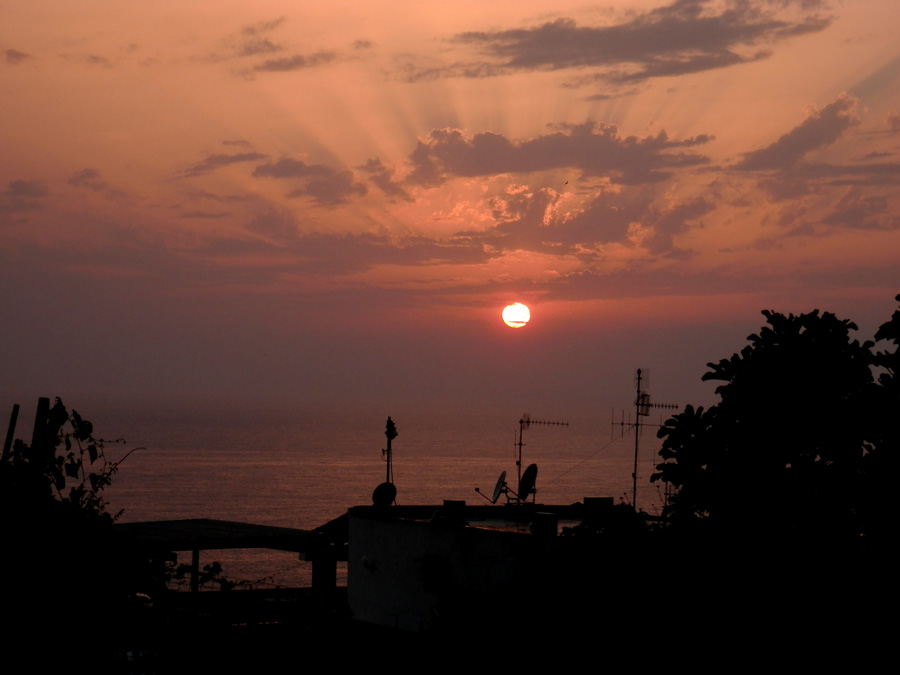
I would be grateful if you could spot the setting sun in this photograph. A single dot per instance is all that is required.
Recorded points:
(516, 315)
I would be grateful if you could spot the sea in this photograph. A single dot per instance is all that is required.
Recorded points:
(303, 467)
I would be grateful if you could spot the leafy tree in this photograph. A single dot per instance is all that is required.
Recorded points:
(61, 548)
(790, 449)
(881, 465)
(60, 477)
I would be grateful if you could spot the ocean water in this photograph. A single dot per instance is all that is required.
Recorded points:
(302, 468)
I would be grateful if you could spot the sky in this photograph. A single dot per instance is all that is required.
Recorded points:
(331, 202)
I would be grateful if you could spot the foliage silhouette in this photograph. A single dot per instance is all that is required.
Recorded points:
(61, 475)
(801, 441)
(62, 556)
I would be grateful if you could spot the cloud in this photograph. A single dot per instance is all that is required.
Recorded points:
(382, 176)
(278, 224)
(820, 129)
(295, 62)
(205, 215)
(291, 168)
(27, 189)
(203, 194)
(332, 189)
(285, 249)
(14, 57)
(538, 220)
(346, 253)
(250, 41)
(326, 185)
(253, 40)
(87, 178)
(893, 121)
(859, 210)
(89, 60)
(213, 162)
(594, 148)
(23, 195)
(255, 47)
(685, 36)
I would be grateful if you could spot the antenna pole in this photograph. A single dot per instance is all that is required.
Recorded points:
(637, 434)
(523, 422)
(642, 407)
(390, 430)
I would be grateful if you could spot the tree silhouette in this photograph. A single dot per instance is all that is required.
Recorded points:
(62, 558)
(792, 449)
(60, 477)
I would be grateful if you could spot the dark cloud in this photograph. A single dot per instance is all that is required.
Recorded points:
(363, 44)
(532, 220)
(277, 224)
(255, 42)
(205, 215)
(872, 173)
(23, 195)
(285, 249)
(893, 121)
(784, 186)
(295, 62)
(251, 41)
(14, 57)
(383, 176)
(341, 254)
(805, 178)
(326, 185)
(820, 129)
(595, 149)
(87, 178)
(213, 162)
(415, 72)
(261, 27)
(685, 36)
(89, 60)
(333, 189)
(258, 46)
(203, 194)
(669, 222)
(27, 189)
(524, 222)
(291, 168)
(859, 210)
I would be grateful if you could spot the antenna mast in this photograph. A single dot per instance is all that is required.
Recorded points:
(390, 430)
(385, 494)
(642, 407)
(524, 423)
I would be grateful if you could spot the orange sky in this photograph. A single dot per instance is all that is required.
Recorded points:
(315, 200)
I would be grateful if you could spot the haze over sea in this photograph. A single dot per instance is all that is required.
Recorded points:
(301, 468)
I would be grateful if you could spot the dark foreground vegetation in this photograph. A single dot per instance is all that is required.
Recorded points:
(779, 531)
(803, 445)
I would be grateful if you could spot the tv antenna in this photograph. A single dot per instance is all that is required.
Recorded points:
(642, 406)
(526, 480)
(386, 492)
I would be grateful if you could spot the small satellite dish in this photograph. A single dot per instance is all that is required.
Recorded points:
(526, 485)
(384, 495)
(498, 488)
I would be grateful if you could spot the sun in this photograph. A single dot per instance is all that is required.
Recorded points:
(516, 315)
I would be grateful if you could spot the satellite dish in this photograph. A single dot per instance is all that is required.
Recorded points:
(498, 488)
(384, 495)
(526, 485)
